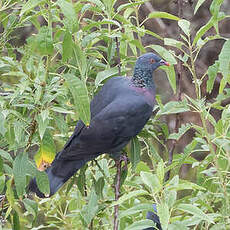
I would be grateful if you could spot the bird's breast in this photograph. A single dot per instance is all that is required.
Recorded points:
(149, 94)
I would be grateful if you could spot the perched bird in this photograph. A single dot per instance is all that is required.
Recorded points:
(119, 111)
(155, 218)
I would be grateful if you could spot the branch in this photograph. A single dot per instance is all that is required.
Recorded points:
(178, 96)
(117, 193)
(118, 55)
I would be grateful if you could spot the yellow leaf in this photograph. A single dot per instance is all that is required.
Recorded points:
(46, 153)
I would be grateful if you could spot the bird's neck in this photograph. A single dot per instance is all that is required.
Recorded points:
(142, 78)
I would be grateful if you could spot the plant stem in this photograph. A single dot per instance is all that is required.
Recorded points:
(117, 193)
(178, 97)
(118, 55)
(193, 71)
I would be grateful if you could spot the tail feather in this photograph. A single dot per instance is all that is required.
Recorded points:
(58, 173)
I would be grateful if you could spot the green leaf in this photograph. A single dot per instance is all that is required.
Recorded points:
(136, 209)
(151, 180)
(2, 124)
(6, 155)
(129, 5)
(89, 211)
(177, 226)
(61, 110)
(203, 30)
(212, 72)
(43, 182)
(171, 75)
(135, 152)
(173, 42)
(67, 46)
(140, 224)
(185, 26)
(30, 5)
(128, 196)
(199, 3)
(182, 130)
(79, 92)
(195, 211)
(31, 206)
(164, 53)
(101, 76)
(215, 7)
(225, 61)
(80, 59)
(173, 107)
(2, 183)
(42, 124)
(16, 221)
(164, 215)
(10, 192)
(160, 171)
(184, 185)
(43, 41)
(68, 10)
(19, 166)
(159, 14)
(99, 187)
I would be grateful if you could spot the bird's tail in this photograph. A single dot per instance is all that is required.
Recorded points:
(58, 173)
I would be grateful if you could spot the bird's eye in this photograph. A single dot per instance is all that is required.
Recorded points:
(152, 60)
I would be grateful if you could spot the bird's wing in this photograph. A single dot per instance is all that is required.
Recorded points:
(110, 129)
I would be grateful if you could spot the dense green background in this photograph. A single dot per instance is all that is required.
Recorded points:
(55, 55)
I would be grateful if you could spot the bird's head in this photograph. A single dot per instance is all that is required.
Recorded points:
(150, 62)
(145, 65)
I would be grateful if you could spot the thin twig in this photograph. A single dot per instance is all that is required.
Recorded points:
(117, 193)
(33, 127)
(178, 96)
(118, 55)
(102, 171)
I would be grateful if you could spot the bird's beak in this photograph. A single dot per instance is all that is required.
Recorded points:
(162, 62)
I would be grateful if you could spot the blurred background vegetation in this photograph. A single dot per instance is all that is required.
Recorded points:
(55, 55)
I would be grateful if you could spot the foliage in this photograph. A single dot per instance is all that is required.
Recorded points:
(62, 65)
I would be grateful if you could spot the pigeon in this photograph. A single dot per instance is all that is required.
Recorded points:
(155, 218)
(119, 112)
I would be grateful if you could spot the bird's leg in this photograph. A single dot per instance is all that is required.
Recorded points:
(118, 163)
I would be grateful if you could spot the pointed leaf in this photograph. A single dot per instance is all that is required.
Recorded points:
(136, 209)
(19, 173)
(43, 182)
(185, 26)
(140, 225)
(182, 130)
(170, 71)
(151, 180)
(164, 215)
(68, 10)
(195, 211)
(135, 152)
(101, 76)
(159, 14)
(225, 61)
(199, 3)
(30, 5)
(79, 92)
(128, 196)
(6, 155)
(46, 152)
(67, 46)
(212, 73)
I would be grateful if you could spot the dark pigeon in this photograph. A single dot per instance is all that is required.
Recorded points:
(155, 218)
(118, 112)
